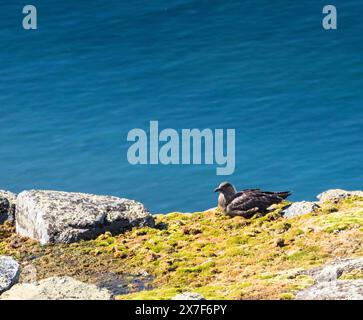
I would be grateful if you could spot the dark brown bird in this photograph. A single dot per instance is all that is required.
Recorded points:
(247, 202)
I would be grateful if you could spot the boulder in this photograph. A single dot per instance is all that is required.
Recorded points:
(337, 290)
(334, 270)
(338, 194)
(56, 288)
(63, 217)
(328, 284)
(9, 273)
(299, 208)
(188, 296)
(7, 206)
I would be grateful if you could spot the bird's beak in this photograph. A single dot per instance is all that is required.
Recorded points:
(217, 190)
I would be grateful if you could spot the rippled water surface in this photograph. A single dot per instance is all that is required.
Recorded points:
(71, 91)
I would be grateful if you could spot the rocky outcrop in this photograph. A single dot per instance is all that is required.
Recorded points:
(62, 217)
(9, 273)
(56, 288)
(336, 290)
(188, 296)
(338, 194)
(7, 206)
(334, 270)
(299, 208)
(219, 256)
(330, 284)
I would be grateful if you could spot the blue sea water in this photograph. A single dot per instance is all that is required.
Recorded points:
(71, 90)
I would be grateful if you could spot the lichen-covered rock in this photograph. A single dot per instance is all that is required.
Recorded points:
(334, 270)
(7, 206)
(299, 208)
(9, 273)
(336, 290)
(63, 217)
(189, 296)
(329, 284)
(56, 288)
(338, 194)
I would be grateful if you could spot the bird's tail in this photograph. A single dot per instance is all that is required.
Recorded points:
(283, 194)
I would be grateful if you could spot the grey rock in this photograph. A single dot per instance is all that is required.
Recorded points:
(7, 206)
(336, 290)
(299, 209)
(188, 296)
(9, 273)
(56, 288)
(328, 286)
(28, 274)
(338, 194)
(333, 270)
(63, 217)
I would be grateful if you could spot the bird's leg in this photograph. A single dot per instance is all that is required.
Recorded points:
(245, 214)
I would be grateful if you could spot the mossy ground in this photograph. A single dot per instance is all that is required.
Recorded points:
(205, 252)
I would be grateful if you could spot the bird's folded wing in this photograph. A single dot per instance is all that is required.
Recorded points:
(250, 190)
(242, 204)
(257, 199)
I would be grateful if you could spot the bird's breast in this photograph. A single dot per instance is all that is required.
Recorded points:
(222, 203)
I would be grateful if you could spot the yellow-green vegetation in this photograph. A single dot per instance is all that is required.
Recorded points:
(352, 275)
(207, 252)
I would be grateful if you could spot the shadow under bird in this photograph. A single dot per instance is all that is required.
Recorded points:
(247, 202)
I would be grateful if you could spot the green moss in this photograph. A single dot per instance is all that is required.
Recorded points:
(206, 252)
(236, 240)
(303, 281)
(351, 201)
(156, 294)
(287, 296)
(267, 275)
(352, 275)
(103, 244)
(197, 269)
(329, 208)
(236, 251)
(336, 222)
(308, 255)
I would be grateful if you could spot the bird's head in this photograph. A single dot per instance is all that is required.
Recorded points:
(225, 188)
